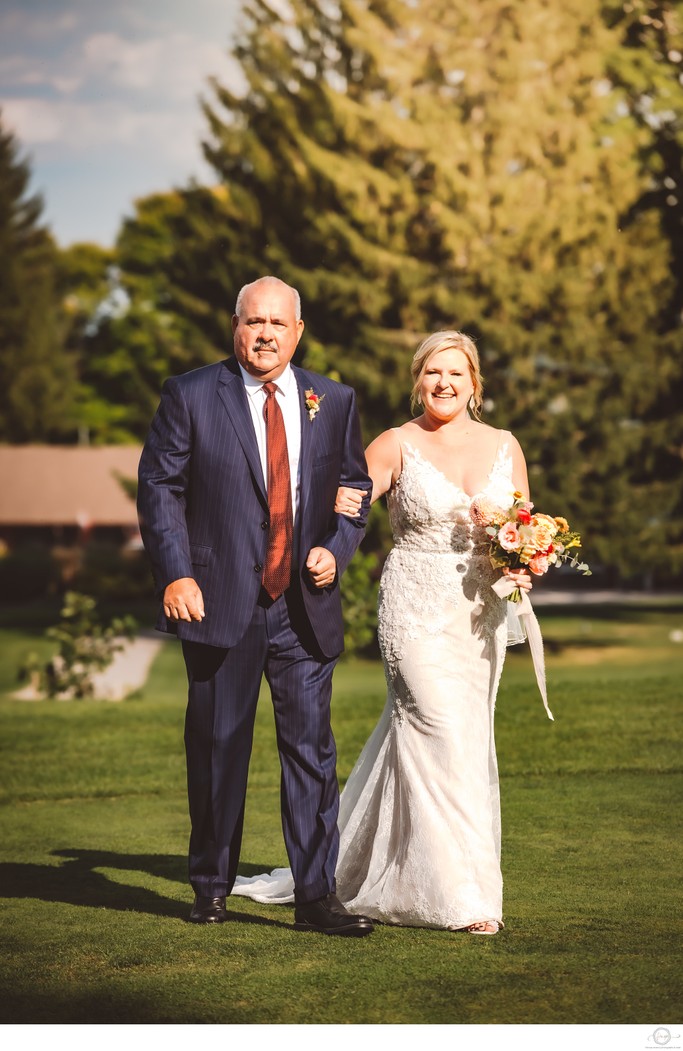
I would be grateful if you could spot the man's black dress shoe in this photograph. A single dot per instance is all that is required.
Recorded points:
(208, 910)
(328, 916)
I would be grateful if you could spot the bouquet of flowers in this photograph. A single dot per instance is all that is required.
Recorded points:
(520, 538)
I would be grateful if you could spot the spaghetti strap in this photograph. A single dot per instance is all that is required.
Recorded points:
(503, 436)
(395, 430)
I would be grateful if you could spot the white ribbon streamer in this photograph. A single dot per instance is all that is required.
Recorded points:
(524, 610)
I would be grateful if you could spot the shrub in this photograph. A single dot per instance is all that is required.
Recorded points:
(28, 572)
(84, 646)
(107, 572)
(359, 588)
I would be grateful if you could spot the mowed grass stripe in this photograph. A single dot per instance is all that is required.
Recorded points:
(94, 834)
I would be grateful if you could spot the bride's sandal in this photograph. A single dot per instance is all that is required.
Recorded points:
(483, 927)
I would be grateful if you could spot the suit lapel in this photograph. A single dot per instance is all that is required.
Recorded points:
(234, 397)
(307, 440)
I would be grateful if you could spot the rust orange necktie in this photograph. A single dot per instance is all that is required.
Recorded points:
(278, 566)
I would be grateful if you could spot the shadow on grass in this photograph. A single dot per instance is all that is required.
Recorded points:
(557, 647)
(616, 611)
(78, 883)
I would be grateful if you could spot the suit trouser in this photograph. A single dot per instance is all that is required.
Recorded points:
(223, 693)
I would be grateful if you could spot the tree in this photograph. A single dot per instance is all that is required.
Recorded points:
(648, 67)
(36, 376)
(420, 166)
(163, 304)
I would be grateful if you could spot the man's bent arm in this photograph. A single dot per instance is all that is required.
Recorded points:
(163, 479)
(348, 532)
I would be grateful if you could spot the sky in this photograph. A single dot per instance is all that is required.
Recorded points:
(104, 100)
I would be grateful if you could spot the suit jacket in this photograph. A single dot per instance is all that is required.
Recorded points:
(203, 506)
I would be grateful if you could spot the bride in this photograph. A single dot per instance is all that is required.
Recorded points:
(419, 818)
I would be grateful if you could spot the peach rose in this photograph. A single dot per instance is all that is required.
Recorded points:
(539, 564)
(549, 523)
(508, 537)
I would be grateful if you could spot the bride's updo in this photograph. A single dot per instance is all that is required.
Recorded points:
(447, 340)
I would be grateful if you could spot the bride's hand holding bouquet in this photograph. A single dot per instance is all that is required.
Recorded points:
(522, 539)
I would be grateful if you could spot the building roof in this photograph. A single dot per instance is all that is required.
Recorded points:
(67, 485)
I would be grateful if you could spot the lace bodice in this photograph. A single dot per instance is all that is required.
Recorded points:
(439, 555)
(430, 513)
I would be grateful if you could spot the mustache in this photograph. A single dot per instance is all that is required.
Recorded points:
(264, 344)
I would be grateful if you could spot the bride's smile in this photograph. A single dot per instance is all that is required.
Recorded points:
(447, 385)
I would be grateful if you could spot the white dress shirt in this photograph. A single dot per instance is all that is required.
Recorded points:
(288, 399)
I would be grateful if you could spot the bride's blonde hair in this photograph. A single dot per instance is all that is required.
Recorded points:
(449, 339)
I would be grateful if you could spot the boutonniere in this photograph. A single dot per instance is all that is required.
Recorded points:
(313, 403)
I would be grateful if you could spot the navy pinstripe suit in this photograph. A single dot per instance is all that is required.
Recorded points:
(204, 514)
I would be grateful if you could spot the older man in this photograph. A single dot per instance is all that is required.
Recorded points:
(238, 480)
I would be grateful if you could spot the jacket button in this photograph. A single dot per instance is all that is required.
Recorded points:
(258, 567)
(264, 525)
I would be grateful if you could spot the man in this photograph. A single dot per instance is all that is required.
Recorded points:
(237, 487)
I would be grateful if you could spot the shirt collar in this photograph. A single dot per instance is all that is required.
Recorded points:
(286, 381)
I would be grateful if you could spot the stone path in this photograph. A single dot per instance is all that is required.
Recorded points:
(127, 672)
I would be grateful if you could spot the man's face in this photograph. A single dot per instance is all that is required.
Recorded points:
(267, 332)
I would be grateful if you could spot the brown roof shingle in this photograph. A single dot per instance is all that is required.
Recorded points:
(67, 485)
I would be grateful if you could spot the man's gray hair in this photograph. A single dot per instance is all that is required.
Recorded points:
(243, 290)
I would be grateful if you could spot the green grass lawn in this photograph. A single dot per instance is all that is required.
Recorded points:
(94, 830)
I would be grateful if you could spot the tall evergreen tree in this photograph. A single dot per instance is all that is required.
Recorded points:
(415, 166)
(165, 299)
(648, 67)
(36, 376)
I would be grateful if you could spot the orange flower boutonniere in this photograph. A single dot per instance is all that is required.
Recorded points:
(313, 403)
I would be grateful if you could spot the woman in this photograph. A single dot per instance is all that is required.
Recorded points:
(420, 815)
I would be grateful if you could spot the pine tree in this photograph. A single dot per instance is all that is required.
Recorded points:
(649, 69)
(36, 376)
(164, 301)
(413, 166)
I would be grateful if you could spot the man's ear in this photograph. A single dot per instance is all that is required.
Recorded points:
(235, 323)
(299, 330)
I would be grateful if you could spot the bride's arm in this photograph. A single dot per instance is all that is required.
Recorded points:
(520, 477)
(384, 463)
(384, 467)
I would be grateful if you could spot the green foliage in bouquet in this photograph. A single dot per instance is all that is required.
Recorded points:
(85, 645)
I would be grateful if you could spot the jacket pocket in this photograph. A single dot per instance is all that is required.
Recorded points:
(200, 554)
(325, 461)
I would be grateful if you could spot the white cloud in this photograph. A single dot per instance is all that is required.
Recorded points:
(21, 71)
(106, 98)
(30, 25)
(32, 120)
(174, 65)
(77, 128)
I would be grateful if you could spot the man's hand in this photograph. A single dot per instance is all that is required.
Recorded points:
(349, 501)
(183, 600)
(322, 565)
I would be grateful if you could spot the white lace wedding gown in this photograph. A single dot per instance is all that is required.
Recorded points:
(420, 814)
